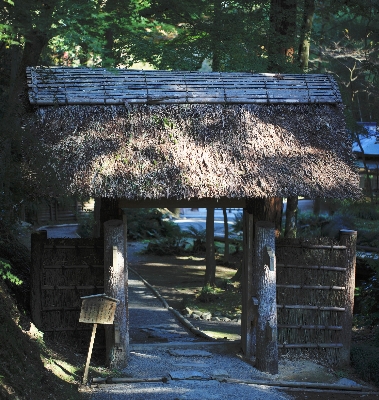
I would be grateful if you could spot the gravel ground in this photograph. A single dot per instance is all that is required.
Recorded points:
(162, 348)
(180, 390)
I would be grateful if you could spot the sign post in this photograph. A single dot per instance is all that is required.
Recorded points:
(97, 309)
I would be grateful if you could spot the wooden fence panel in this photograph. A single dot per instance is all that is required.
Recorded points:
(311, 298)
(67, 269)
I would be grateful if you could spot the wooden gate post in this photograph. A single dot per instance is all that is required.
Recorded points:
(38, 240)
(348, 238)
(264, 278)
(117, 335)
(126, 277)
(248, 317)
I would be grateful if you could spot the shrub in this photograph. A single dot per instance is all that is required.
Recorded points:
(86, 224)
(6, 274)
(167, 246)
(238, 222)
(208, 294)
(368, 295)
(199, 236)
(365, 360)
(361, 209)
(149, 223)
(310, 225)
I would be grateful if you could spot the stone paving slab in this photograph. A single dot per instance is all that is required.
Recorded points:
(190, 353)
(187, 374)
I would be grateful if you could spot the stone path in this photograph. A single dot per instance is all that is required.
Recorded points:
(186, 368)
(150, 322)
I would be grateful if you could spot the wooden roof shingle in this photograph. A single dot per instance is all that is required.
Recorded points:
(98, 86)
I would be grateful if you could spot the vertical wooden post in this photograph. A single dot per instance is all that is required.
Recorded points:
(249, 311)
(114, 286)
(226, 236)
(126, 275)
(210, 262)
(265, 280)
(85, 377)
(38, 240)
(348, 238)
(96, 216)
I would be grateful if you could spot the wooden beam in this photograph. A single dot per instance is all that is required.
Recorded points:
(169, 203)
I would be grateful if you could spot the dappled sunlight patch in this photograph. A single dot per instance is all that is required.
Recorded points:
(34, 333)
(191, 258)
(222, 335)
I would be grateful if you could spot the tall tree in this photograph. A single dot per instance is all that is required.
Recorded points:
(210, 268)
(305, 34)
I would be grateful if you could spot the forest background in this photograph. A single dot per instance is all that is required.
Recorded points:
(340, 37)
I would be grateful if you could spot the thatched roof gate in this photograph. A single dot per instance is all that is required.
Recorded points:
(150, 135)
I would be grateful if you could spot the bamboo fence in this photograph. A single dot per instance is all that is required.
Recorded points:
(311, 298)
(66, 269)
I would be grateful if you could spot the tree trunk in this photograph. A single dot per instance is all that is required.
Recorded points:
(306, 28)
(210, 263)
(367, 171)
(109, 210)
(215, 36)
(264, 280)
(317, 206)
(175, 212)
(291, 217)
(226, 229)
(117, 335)
(267, 209)
(249, 308)
(282, 33)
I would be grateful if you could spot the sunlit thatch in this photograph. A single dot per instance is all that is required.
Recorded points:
(198, 151)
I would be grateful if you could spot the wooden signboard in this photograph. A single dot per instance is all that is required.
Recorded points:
(96, 309)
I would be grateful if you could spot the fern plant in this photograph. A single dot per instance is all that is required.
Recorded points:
(6, 274)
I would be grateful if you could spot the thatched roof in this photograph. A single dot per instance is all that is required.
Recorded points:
(183, 151)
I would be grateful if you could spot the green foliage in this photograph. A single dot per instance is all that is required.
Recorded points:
(361, 209)
(199, 236)
(167, 246)
(309, 224)
(86, 224)
(170, 229)
(367, 295)
(208, 294)
(365, 360)
(6, 274)
(166, 236)
(238, 222)
(145, 223)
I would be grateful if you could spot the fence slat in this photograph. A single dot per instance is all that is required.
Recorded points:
(311, 287)
(321, 267)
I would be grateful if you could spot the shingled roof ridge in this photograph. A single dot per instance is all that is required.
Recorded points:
(100, 86)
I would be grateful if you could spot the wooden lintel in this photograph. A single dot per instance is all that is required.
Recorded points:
(168, 203)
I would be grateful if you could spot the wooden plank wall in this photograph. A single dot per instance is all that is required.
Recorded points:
(55, 212)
